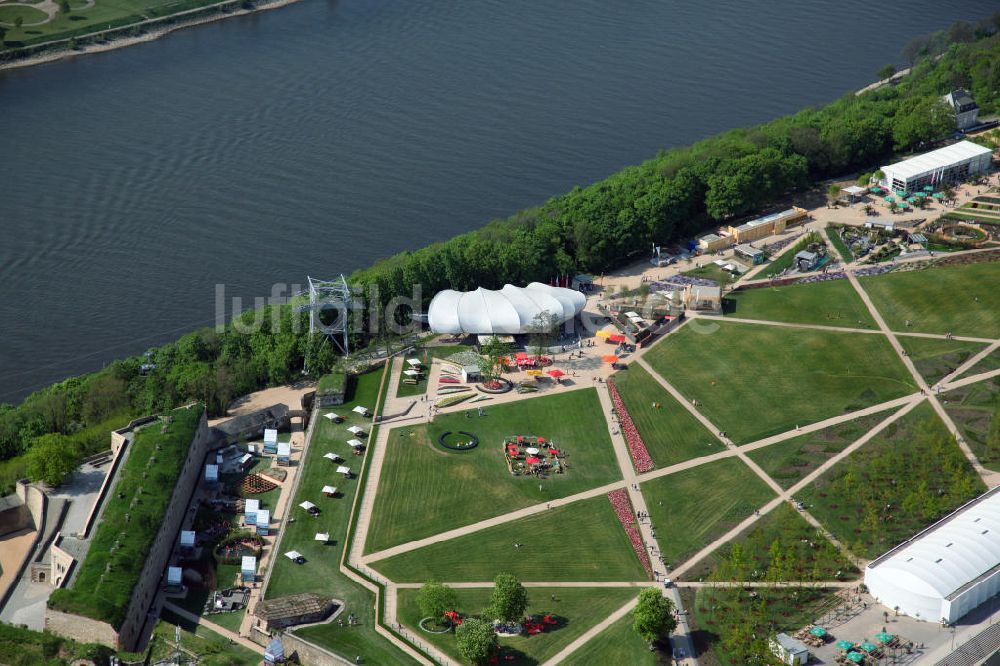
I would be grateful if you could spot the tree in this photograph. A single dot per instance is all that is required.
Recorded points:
(885, 71)
(879, 175)
(492, 352)
(653, 617)
(476, 640)
(927, 119)
(542, 333)
(435, 599)
(509, 599)
(833, 193)
(864, 179)
(18, 22)
(51, 458)
(64, 7)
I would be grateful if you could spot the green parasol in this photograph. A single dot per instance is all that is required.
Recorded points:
(884, 637)
(818, 632)
(845, 645)
(856, 657)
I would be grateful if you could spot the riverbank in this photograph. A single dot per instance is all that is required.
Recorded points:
(152, 29)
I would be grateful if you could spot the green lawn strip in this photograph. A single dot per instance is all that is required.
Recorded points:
(962, 300)
(988, 363)
(789, 461)
(582, 541)
(936, 358)
(131, 519)
(830, 303)
(425, 489)
(905, 478)
(618, 644)
(575, 609)
(753, 381)
(210, 647)
(670, 432)
(788, 256)
(975, 409)
(781, 546)
(321, 572)
(838, 242)
(425, 354)
(712, 271)
(691, 508)
(731, 627)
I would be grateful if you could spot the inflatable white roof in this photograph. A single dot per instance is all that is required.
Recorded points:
(509, 311)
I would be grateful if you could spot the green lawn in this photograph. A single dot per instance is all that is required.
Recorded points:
(211, 648)
(426, 489)
(27, 14)
(582, 541)
(831, 303)
(935, 358)
(990, 362)
(962, 300)
(671, 433)
(690, 509)
(618, 644)
(753, 381)
(781, 546)
(789, 461)
(712, 271)
(575, 608)
(975, 409)
(425, 355)
(321, 572)
(905, 478)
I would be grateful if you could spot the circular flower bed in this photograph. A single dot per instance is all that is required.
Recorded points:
(495, 386)
(428, 619)
(463, 442)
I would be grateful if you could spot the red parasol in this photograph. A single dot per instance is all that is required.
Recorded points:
(555, 372)
(533, 460)
(617, 337)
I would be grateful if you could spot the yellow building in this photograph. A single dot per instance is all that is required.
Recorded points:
(762, 227)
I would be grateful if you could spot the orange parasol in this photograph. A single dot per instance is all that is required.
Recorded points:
(610, 358)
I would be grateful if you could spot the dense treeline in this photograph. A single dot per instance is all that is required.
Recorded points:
(675, 195)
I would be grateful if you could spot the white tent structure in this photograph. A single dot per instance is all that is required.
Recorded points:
(361, 410)
(333, 456)
(947, 570)
(509, 311)
(322, 537)
(355, 430)
(355, 443)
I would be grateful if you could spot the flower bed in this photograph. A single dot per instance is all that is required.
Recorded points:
(636, 447)
(626, 516)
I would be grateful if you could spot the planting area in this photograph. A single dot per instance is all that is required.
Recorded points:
(582, 541)
(975, 409)
(789, 461)
(573, 610)
(425, 489)
(905, 478)
(698, 505)
(671, 434)
(829, 303)
(741, 374)
(962, 300)
(935, 358)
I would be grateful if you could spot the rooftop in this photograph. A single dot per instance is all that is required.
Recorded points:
(951, 553)
(292, 606)
(942, 157)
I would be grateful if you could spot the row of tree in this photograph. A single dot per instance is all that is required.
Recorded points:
(653, 618)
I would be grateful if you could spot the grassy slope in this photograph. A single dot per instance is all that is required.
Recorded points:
(973, 409)
(321, 573)
(577, 609)
(582, 541)
(425, 489)
(917, 453)
(832, 303)
(691, 508)
(935, 358)
(940, 300)
(787, 462)
(754, 381)
(671, 433)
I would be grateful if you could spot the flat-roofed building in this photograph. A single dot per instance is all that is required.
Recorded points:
(768, 225)
(946, 571)
(951, 164)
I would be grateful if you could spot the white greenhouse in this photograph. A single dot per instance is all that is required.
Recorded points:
(947, 570)
(509, 311)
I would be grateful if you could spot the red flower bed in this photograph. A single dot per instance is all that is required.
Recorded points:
(636, 447)
(626, 516)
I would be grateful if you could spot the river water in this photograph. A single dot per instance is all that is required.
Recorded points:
(316, 138)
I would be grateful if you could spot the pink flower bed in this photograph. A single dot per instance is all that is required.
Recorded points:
(626, 516)
(636, 447)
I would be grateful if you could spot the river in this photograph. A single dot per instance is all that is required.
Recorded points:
(316, 138)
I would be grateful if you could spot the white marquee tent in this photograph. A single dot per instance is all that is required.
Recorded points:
(948, 569)
(509, 311)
